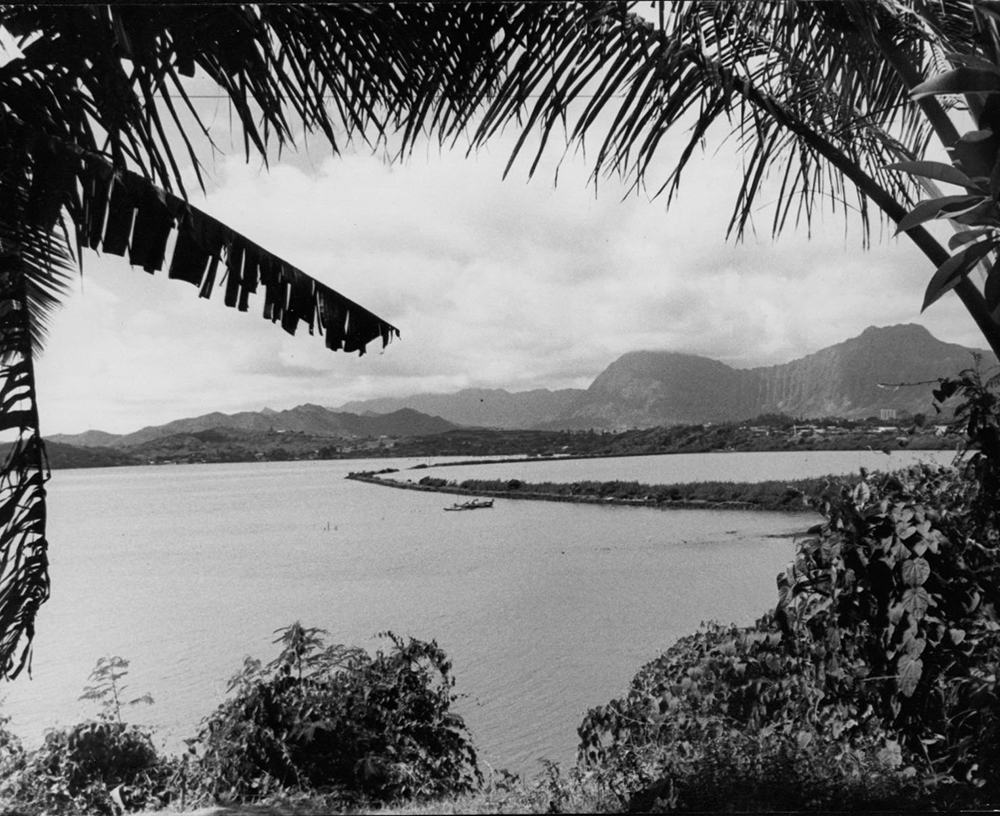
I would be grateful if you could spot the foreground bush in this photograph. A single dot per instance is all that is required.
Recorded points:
(873, 683)
(761, 771)
(333, 719)
(100, 766)
(729, 718)
(894, 601)
(327, 722)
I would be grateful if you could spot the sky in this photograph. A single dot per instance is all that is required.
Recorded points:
(493, 283)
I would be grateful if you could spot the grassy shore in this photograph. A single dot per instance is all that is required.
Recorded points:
(552, 790)
(780, 495)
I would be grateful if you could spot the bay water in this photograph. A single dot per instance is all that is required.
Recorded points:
(546, 609)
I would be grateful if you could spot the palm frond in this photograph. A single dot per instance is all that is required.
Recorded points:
(30, 212)
(118, 80)
(594, 70)
(86, 114)
(121, 213)
(24, 581)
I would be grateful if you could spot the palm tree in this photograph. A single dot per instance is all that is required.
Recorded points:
(96, 117)
(840, 101)
(832, 98)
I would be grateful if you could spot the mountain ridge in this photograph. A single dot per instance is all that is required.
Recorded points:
(854, 379)
(308, 418)
(480, 407)
(883, 368)
(647, 388)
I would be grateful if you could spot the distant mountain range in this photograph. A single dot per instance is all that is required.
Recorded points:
(481, 407)
(313, 420)
(641, 389)
(645, 389)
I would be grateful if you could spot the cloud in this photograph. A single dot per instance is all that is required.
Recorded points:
(493, 283)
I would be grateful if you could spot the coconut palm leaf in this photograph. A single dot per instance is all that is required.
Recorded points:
(24, 581)
(600, 72)
(34, 269)
(97, 118)
(124, 80)
(819, 96)
(122, 213)
(102, 105)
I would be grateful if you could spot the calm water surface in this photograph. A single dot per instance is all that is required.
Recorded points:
(545, 609)
(696, 467)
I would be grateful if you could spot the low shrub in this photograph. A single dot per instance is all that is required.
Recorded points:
(764, 771)
(894, 600)
(102, 766)
(430, 481)
(873, 683)
(334, 720)
(722, 717)
(95, 767)
(883, 653)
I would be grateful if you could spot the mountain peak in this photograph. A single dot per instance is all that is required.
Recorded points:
(309, 419)
(904, 331)
(849, 379)
(643, 389)
(480, 407)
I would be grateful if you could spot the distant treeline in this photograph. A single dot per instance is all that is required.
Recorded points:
(772, 432)
(62, 456)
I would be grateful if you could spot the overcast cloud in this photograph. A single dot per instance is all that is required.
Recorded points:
(508, 284)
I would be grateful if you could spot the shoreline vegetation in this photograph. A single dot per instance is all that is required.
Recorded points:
(792, 496)
(324, 729)
(330, 728)
(765, 433)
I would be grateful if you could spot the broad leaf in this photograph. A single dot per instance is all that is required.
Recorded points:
(915, 571)
(914, 646)
(965, 236)
(943, 207)
(916, 601)
(991, 290)
(952, 270)
(909, 671)
(972, 60)
(959, 81)
(977, 216)
(974, 136)
(938, 171)
(891, 755)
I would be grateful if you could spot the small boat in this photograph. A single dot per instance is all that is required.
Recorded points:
(475, 504)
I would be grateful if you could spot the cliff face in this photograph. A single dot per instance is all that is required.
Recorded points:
(855, 378)
(641, 389)
(672, 388)
(858, 377)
